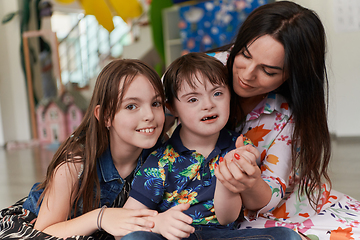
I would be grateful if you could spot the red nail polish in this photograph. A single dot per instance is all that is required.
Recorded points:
(221, 159)
(237, 156)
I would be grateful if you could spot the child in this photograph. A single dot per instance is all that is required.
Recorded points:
(93, 169)
(178, 179)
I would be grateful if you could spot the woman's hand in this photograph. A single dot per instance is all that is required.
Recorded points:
(238, 171)
(121, 221)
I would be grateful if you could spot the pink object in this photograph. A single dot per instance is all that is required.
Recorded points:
(58, 117)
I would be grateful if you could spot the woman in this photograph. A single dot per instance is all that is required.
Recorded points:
(279, 89)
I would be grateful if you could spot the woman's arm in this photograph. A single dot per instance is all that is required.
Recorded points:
(227, 204)
(275, 169)
(241, 175)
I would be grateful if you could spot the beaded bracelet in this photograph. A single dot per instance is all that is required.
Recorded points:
(100, 217)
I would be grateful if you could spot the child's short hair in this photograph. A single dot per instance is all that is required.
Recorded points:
(188, 68)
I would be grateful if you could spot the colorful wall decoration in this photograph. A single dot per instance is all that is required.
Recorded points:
(210, 24)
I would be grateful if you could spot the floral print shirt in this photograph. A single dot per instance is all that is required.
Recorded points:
(269, 126)
(173, 174)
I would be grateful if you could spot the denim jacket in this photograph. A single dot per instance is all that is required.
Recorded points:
(110, 181)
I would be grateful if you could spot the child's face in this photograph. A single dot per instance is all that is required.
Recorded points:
(202, 111)
(140, 120)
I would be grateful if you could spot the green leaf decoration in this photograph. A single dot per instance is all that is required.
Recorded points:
(8, 17)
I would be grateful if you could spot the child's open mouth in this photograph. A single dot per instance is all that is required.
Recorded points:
(209, 118)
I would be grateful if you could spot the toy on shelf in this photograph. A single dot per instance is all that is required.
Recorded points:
(58, 117)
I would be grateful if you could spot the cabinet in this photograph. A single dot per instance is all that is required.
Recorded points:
(171, 32)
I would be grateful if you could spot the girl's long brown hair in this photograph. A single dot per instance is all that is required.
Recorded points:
(91, 138)
(302, 34)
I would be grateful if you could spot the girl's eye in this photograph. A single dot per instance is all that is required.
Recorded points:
(191, 100)
(157, 104)
(216, 94)
(130, 107)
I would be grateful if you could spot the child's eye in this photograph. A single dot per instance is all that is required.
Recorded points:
(157, 104)
(130, 107)
(191, 100)
(216, 94)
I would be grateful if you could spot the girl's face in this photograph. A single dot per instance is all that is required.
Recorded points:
(140, 119)
(258, 68)
(202, 111)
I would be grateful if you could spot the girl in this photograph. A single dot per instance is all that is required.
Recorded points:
(93, 168)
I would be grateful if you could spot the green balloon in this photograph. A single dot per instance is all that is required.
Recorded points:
(155, 15)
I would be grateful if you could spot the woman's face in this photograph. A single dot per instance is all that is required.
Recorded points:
(258, 68)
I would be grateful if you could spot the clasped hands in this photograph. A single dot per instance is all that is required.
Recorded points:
(238, 170)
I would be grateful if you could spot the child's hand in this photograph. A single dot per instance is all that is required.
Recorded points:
(238, 171)
(173, 223)
(121, 221)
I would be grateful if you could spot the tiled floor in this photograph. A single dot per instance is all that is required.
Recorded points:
(20, 169)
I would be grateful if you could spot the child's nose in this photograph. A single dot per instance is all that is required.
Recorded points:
(208, 103)
(148, 114)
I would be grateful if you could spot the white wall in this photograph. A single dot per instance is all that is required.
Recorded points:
(14, 108)
(343, 69)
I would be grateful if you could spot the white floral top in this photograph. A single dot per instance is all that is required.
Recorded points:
(269, 126)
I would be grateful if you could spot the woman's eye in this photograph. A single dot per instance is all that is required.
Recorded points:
(157, 104)
(130, 107)
(267, 73)
(217, 94)
(245, 55)
(191, 100)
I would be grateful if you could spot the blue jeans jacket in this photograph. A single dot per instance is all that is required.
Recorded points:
(111, 183)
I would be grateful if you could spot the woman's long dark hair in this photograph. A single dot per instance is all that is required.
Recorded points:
(302, 34)
(91, 138)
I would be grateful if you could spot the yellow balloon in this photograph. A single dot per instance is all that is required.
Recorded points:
(65, 1)
(127, 8)
(100, 10)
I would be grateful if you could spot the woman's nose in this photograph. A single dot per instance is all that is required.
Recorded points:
(249, 72)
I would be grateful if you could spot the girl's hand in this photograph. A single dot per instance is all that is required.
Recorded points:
(238, 171)
(173, 223)
(121, 221)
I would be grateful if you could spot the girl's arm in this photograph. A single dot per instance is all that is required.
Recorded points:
(57, 202)
(55, 209)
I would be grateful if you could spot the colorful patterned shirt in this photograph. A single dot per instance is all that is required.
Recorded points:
(270, 127)
(173, 174)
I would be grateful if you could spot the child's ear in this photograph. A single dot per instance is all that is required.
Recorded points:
(171, 109)
(96, 112)
(97, 115)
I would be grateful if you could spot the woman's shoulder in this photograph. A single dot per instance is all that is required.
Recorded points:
(277, 103)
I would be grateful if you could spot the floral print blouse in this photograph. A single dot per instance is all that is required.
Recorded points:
(270, 126)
